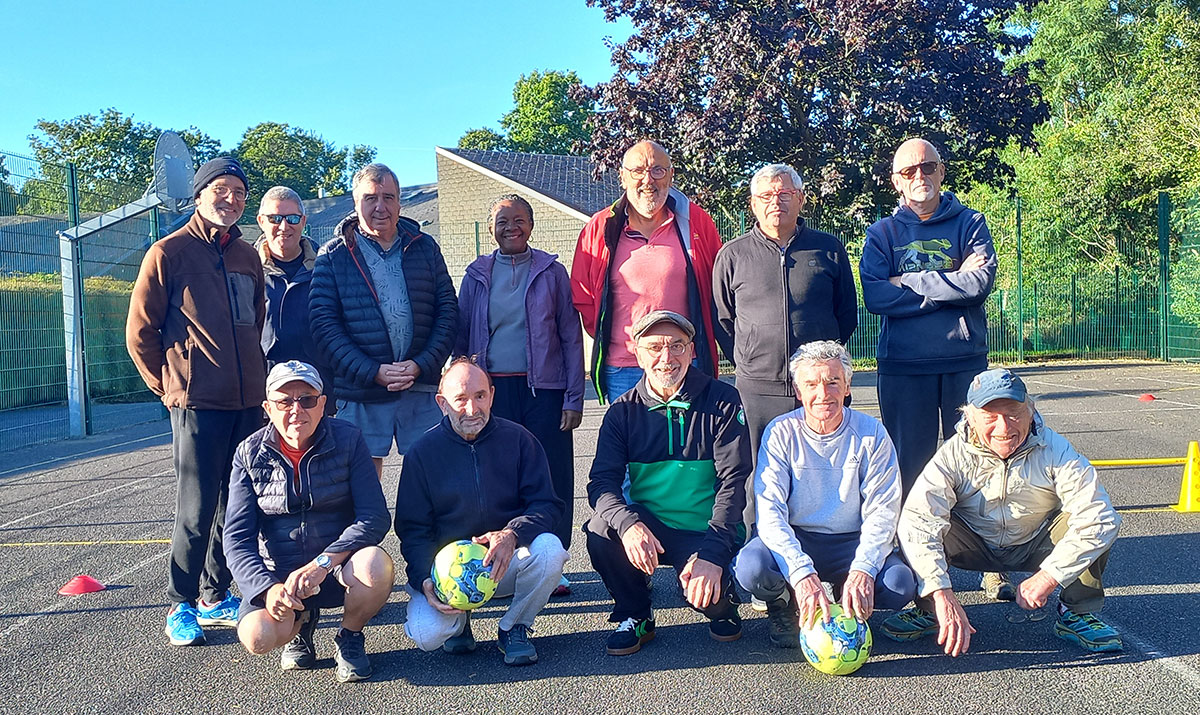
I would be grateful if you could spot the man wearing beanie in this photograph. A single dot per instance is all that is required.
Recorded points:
(194, 329)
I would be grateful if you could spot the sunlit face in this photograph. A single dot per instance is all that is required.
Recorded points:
(466, 398)
(378, 206)
(822, 389)
(776, 204)
(283, 238)
(511, 225)
(647, 195)
(222, 202)
(656, 355)
(1001, 425)
(295, 423)
(920, 188)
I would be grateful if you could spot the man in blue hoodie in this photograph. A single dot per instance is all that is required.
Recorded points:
(927, 271)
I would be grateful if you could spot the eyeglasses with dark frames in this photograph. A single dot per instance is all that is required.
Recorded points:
(306, 401)
(925, 167)
(277, 219)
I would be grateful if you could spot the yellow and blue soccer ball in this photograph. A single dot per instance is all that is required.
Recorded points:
(459, 577)
(838, 647)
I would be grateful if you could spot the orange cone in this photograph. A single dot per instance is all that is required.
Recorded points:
(81, 584)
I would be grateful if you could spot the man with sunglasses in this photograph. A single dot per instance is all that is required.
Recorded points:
(668, 485)
(653, 249)
(194, 329)
(306, 515)
(287, 258)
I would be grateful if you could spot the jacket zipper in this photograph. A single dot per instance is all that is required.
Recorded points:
(478, 481)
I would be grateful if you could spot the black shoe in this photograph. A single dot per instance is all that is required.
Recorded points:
(516, 646)
(630, 636)
(300, 654)
(351, 656)
(783, 623)
(726, 629)
(462, 643)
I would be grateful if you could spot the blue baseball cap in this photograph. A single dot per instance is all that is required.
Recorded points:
(996, 384)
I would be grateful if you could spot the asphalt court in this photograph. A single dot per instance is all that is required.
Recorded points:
(103, 506)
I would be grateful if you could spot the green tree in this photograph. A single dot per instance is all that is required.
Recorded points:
(11, 200)
(274, 154)
(113, 156)
(360, 156)
(549, 116)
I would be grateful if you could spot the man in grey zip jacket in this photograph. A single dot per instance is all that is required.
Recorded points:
(1007, 492)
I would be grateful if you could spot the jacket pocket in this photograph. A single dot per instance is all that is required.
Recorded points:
(177, 371)
(241, 298)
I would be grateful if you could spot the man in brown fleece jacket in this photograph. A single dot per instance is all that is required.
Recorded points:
(194, 327)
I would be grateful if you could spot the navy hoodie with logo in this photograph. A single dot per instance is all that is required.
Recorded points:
(934, 321)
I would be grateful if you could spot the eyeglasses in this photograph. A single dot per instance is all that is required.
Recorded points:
(277, 219)
(925, 167)
(784, 196)
(656, 172)
(676, 349)
(306, 401)
(224, 192)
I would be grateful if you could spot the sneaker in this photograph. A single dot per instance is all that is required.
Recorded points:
(783, 622)
(462, 643)
(1088, 631)
(759, 605)
(725, 629)
(909, 625)
(300, 653)
(224, 613)
(516, 646)
(182, 628)
(351, 656)
(563, 588)
(998, 586)
(630, 636)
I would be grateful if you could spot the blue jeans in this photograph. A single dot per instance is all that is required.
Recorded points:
(619, 380)
(757, 571)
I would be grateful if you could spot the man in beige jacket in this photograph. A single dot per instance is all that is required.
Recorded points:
(1007, 493)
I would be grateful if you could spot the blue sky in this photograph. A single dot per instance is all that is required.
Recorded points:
(401, 76)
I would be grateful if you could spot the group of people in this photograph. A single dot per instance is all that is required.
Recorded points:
(777, 483)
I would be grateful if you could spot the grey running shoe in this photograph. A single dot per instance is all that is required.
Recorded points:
(516, 646)
(998, 586)
(351, 656)
(300, 654)
(783, 623)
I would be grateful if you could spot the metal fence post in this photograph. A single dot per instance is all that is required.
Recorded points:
(1020, 288)
(477, 239)
(1164, 290)
(71, 267)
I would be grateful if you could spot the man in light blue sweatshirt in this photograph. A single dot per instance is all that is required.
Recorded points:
(827, 492)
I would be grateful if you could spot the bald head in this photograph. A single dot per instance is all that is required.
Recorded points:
(917, 175)
(465, 397)
(647, 148)
(912, 149)
(646, 176)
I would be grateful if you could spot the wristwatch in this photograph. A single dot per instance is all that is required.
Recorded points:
(323, 561)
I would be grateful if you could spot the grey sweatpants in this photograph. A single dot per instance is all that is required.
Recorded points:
(532, 575)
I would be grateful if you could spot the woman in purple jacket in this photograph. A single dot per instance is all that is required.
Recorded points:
(516, 318)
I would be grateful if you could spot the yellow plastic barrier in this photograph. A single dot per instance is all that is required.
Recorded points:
(1189, 488)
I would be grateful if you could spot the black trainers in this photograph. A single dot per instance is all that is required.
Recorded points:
(726, 629)
(462, 643)
(351, 656)
(630, 636)
(300, 654)
(783, 623)
(516, 646)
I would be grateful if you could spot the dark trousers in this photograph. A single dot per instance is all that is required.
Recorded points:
(202, 445)
(540, 412)
(628, 586)
(758, 572)
(966, 550)
(759, 411)
(917, 410)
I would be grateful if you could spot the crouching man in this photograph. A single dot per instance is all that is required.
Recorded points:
(302, 531)
(827, 487)
(1007, 493)
(479, 477)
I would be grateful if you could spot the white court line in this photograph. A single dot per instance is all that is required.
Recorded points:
(79, 454)
(68, 601)
(1037, 380)
(1047, 413)
(1173, 663)
(76, 501)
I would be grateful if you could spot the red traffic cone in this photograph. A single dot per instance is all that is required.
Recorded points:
(81, 584)
(1147, 397)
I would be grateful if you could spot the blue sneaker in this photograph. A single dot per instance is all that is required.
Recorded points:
(1088, 631)
(224, 613)
(182, 628)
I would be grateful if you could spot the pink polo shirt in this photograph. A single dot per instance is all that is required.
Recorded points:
(648, 275)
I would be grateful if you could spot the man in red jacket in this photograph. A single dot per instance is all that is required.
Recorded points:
(653, 249)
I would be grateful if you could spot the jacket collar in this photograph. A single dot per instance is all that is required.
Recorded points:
(268, 261)
(481, 268)
(487, 430)
(322, 440)
(206, 232)
(407, 230)
(693, 384)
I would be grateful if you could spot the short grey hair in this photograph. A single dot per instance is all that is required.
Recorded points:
(373, 172)
(280, 193)
(816, 352)
(771, 171)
